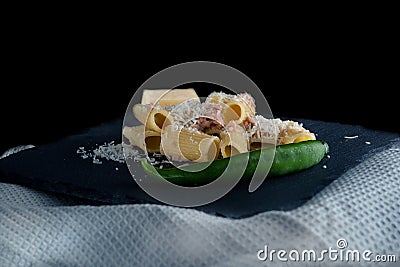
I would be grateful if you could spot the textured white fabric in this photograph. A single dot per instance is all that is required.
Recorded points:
(362, 206)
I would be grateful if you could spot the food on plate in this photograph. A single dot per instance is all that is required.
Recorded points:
(178, 125)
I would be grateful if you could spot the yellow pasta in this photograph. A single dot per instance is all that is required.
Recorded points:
(276, 131)
(237, 107)
(184, 144)
(235, 111)
(141, 112)
(149, 141)
(293, 132)
(156, 120)
(166, 97)
(152, 117)
(179, 126)
(265, 133)
(234, 140)
(296, 138)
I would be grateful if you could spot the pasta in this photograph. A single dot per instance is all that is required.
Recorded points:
(264, 133)
(234, 140)
(152, 117)
(236, 111)
(185, 129)
(141, 112)
(156, 120)
(144, 139)
(167, 97)
(236, 107)
(276, 131)
(184, 144)
(294, 133)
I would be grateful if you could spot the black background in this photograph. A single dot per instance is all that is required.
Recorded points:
(55, 86)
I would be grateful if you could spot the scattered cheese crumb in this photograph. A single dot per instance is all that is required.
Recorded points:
(96, 160)
(328, 156)
(324, 166)
(116, 168)
(368, 143)
(109, 151)
(351, 137)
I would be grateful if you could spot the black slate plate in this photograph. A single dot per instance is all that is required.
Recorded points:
(56, 167)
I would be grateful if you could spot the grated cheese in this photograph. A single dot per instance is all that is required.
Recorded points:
(109, 151)
(351, 137)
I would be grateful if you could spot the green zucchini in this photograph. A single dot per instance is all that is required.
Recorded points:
(288, 159)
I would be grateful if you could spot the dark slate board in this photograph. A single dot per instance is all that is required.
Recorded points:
(56, 167)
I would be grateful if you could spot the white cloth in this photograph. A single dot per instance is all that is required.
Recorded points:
(362, 206)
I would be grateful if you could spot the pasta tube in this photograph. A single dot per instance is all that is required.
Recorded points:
(236, 107)
(166, 97)
(183, 144)
(149, 141)
(141, 112)
(235, 111)
(264, 133)
(152, 117)
(234, 140)
(293, 132)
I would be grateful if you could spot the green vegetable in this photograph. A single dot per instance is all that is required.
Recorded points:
(288, 159)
